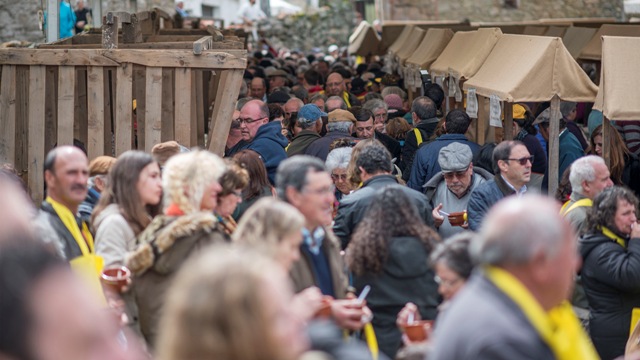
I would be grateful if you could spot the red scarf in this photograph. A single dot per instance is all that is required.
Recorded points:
(173, 210)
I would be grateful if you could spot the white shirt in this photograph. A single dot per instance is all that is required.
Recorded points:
(251, 12)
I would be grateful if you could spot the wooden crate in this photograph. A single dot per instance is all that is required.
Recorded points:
(84, 88)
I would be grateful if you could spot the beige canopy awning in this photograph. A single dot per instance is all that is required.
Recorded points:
(410, 45)
(535, 30)
(556, 31)
(434, 41)
(404, 35)
(593, 49)
(465, 53)
(364, 41)
(576, 38)
(618, 97)
(531, 68)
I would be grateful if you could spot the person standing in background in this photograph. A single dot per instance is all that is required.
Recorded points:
(83, 17)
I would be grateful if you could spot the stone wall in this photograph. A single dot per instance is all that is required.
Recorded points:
(497, 10)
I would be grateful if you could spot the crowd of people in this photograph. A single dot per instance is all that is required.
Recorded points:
(340, 215)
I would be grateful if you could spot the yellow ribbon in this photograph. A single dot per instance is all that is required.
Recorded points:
(611, 235)
(559, 328)
(586, 202)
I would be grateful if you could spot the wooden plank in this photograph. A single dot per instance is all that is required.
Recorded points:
(95, 116)
(139, 94)
(554, 144)
(36, 152)
(508, 120)
(153, 111)
(202, 44)
(109, 117)
(110, 31)
(183, 109)
(22, 117)
(123, 108)
(223, 59)
(66, 89)
(80, 129)
(168, 123)
(131, 32)
(51, 108)
(53, 20)
(193, 134)
(174, 45)
(119, 16)
(8, 115)
(201, 111)
(149, 22)
(207, 103)
(228, 92)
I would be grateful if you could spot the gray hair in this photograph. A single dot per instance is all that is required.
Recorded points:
(343, 105)
(338, 158)
(516, 229)
(341, 126)
(394, 90)
(242, 102)
(305, 123)
(293, 172)
(583, 170)
(424, 108)
(374, 159)
(375, 104)
(566, 107)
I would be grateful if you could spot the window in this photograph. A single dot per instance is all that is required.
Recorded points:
(210, 11)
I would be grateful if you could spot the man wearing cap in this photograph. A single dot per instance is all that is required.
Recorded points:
(310, 121)
(277, 78)
(450, 189)
(340, 126)
(262, 136)
(335, 87)
(98, 170)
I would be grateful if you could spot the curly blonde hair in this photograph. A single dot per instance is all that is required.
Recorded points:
(353, 173)
(266, 223)
(186, 176)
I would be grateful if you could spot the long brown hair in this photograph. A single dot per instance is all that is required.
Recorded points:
(122, 190)
(258, 180)
(617, 154)
(390, 214)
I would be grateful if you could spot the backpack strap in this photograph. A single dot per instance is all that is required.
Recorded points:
(418, 135)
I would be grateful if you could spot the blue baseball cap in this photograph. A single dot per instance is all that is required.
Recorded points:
(311, 112)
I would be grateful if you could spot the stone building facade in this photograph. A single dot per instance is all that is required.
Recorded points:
(497, 10)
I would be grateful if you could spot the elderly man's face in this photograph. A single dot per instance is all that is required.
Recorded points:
(291, 107)
(276, 82)
(602, 181)
(315, 201)
(517, 170)
(365, 129)
(458, 182)
(335, 85)
(67, 184)
(333, 104)
(250, 120)
(380, 119)
(257, 88)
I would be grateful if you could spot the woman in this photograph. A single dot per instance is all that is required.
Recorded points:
(124, 211)
(337, 164)
(233, 182)
(397, 128)
(190, 182)
(259, 185)
(624, 166)
(231, 304)
(353, 173)
(611, 269)
(523, 130)
(390, 252)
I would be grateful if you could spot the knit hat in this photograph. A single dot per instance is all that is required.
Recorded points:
(101, 165)
(340, 115)
(455, 157)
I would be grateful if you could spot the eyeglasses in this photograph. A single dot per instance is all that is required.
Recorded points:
(237, 193)
(523, 161)
(447, 283)
(248, 121)
(458, 174)
(337, 177)
(380, 116)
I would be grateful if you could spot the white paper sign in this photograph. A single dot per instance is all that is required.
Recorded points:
(458, 92)
(452, 86)
(440, 81)
(495, 110)
(472, 103)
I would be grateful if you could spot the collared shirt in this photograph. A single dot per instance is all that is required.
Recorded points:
(313, 241)
(523, 189)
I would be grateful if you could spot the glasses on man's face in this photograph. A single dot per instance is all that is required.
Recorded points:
(523, 161)
(338, 177)
(457, 174)
(248, 121)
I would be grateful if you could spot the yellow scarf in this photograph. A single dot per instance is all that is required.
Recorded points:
(611, 235)
(69, 220)
(559, 328)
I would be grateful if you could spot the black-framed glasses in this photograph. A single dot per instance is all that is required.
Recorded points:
(248, 121)
(523, 161)
(337, 177)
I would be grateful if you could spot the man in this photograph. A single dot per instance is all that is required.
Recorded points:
(568, 111)
(277, 79)
(423, 113)
(310, 121)
(234, 140)
(425, 164)
(365, 130)
(589, 176)
(250, 14)
(301, 93)
(450, 189)
(83, 17)
(333, 103)
(340, 126)
(292, 106)
(262, 136)
(303, 182)
(379, 110)
(570, 148)
(512, 165)
(180, 10)
(66, 172)
(98, 173)
(311, 81)
(515, 307)
(259, 89)
(335, 87)
(374, 168)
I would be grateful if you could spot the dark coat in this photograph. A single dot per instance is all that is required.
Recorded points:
(269, 143)
(301, 142)
(483, 323)
(426, 128)
(320, 147)
(484, 197)
(611, 280)
(405, 277)
(353, 206)
(65, 241)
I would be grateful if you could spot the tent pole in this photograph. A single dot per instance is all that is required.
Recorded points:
(508, 120)
(481, 121)
(554, 145)
(606, 144)
(53, 20)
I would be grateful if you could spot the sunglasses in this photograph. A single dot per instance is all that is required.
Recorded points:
(337, 177)
(523, 161)
(458, 174)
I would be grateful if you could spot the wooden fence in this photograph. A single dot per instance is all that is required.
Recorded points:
(115, 92)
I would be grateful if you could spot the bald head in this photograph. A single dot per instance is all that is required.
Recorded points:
(258, 87)
(253, 115)
(335, 84)
(66, 172)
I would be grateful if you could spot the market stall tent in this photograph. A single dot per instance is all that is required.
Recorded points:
(432, 45)
(593, 50)
(364, 41)
(576, 38)
(410, 45)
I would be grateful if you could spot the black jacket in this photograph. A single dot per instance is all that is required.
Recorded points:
(611, 280)
(405, 277)
(67, 242)
(426, 128)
